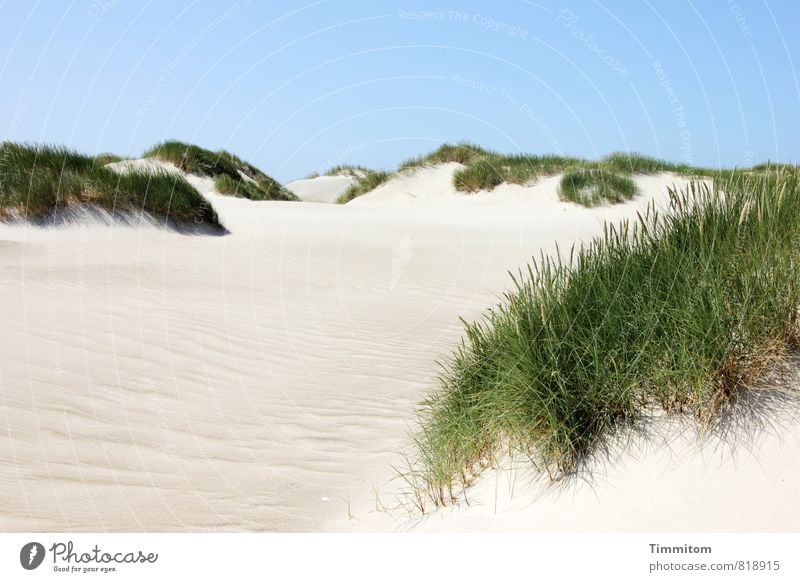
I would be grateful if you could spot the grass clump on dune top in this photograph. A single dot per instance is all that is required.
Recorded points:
(462, 153)
(261, 190)
(491, 169)
(107, 158)
(773, 167)
(348, 170)
(231, 174)
(634, 163)
(680, 311)
(364, 184)
(481, 175)
(194, 159)
(486, 169)
(590, 182)
(367, 180)
(591, 187)
(36, 180)
(489, 172)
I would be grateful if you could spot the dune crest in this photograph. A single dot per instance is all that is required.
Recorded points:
(268, 380)
(321, 188)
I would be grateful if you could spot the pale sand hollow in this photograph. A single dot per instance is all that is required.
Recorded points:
(268, 379)
(321, 189)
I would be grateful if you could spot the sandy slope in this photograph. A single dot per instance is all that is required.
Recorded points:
(321, 188)
(417, 185)
(266, 380)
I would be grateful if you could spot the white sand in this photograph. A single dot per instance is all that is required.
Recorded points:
(143, 165)
(414, 186)
(321, 189)
(267, 380)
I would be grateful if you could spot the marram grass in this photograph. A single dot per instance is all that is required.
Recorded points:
(366, 183)
(231, 174)
(36, 180)
(461, 152)
(264, 189)
(353, 170)
(593, 186)
(590, 182)
(680, 311)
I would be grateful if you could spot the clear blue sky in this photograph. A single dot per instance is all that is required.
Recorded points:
(296, 87)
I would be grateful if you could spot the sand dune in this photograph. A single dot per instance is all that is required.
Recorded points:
(417, 185)
(267, 380)
(321, 188)
(675, 480)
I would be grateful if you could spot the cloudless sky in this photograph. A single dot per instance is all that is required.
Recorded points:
(296, 87)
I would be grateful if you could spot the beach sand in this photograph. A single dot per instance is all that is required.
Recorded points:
(320, 189)
(267, 380)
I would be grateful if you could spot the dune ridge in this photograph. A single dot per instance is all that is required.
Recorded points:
(268, 380)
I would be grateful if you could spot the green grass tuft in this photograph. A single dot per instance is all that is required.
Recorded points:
(486, 169)
(491, 171)
(194, 159)
(36, 180)
(264, 189)
(480, 175)
(107, 158)
(365, 184)
(462, 153)
(634, 163)
(681, 310)
(228, 170)
(348, 170)
(591, 187)
(773, 167)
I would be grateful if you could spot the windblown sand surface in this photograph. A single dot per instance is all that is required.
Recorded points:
(320, 189)
(268, 379)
